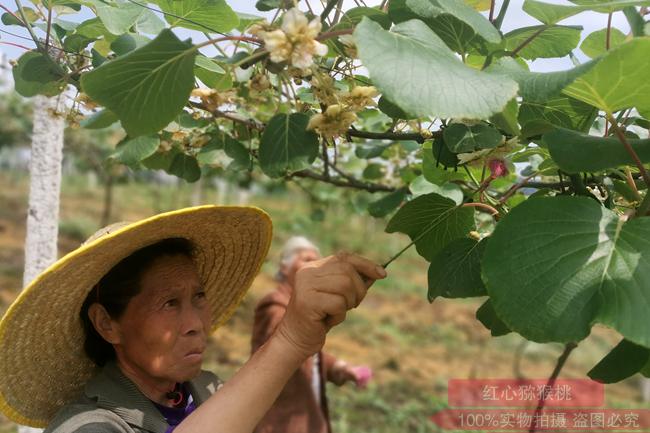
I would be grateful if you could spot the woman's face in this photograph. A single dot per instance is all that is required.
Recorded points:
(164, 328)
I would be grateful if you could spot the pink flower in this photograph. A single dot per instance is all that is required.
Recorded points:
(498, 168)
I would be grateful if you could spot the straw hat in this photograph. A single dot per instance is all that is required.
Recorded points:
(42, 361)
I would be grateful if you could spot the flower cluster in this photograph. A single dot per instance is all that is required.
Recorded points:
(334, 121)
(295, 41)
(342, 107)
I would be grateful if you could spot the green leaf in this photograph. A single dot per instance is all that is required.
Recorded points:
(388, 203)
(538, 86)
(550, 42)
(214, 16)
(420, 186)
(438, 154)
(507, 120)
(286, 146)
(392, 110)
(353, 16)
(213, 80)
(561, 111)
(161, 160)
(128, 42)
(553, 13)
(146, 88)
(208, 64)
(76, 43)
(417, 71)
(623, 361)
(35, 74)
(371, 150)
(92, 28)
(594, 45)
(186, 167)
(434, 221)
(238, 152)
(554, 266)
(132, 151)
(461, 138)
(617, 81)
(99, 120)
(428, 9)
(488, 317)
(575, 152)
(118, 16)
(374, 171)
(455, 272)
(149, 23)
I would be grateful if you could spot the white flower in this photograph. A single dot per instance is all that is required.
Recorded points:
(295, 42)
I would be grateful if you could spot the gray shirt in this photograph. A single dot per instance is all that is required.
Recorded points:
(111, 403)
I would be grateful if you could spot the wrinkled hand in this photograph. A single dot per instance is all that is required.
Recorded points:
(324, 291)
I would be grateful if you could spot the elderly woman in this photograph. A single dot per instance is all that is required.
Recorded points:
(302, 406)
(111, 337)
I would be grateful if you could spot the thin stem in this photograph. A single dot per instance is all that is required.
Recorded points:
(528, 41)
(49, 25)
(329, 35)
(228, 38)
(513, 189)
(621, 136)
(415, 136)
(328, 8)
(502, 14)
(29, 26)
(568, 348)
(15, 45)
(630, 181)
(491, 18)
(609, 31)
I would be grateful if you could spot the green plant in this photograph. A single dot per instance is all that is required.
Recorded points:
(448, 106)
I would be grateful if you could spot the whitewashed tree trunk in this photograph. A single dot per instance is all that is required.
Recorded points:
(243, 196)
(197, 192)
(44, 190)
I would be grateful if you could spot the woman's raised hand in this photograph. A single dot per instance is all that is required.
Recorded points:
(324, 291)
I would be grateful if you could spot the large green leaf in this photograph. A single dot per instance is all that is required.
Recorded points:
(461, 138)
(186, 167)
(131, 152)
(434, 221)
(457, 23)
(388, 203)
(554, 266)
(617, 81)
(202, 15)
(549, 13)
(560, 110)
(459, 10)
(538, 86)
(575, 152)
(415, 69)
(547, 42)
(623, 361)
(118, 16)
(36, 74)
(145, 88)
(286, 146)
(455, 272)
(595, 44)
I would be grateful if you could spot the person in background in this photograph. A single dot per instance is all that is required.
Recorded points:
(301, 407)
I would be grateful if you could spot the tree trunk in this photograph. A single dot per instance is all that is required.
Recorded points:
(108, 199)
(45, 186)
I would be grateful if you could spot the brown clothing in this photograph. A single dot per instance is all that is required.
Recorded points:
(296, 409)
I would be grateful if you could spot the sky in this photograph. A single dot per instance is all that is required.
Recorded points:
(515, 18)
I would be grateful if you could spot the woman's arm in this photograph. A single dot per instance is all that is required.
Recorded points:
(325, 290)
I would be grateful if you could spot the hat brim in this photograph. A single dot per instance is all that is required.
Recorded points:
(42, 362)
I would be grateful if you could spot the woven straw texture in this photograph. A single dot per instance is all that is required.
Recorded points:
(42, 362)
